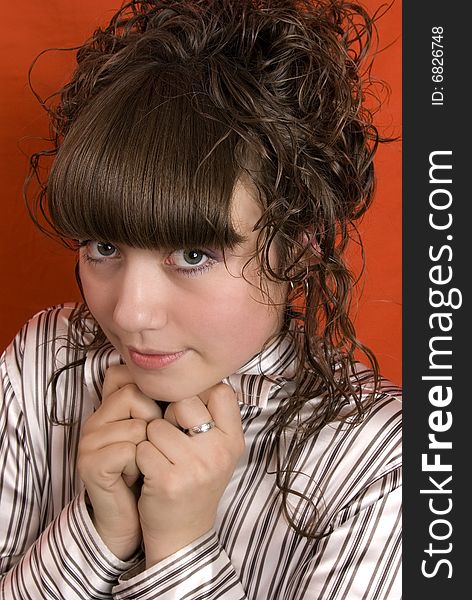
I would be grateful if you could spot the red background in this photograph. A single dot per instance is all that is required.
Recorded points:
(37, 272)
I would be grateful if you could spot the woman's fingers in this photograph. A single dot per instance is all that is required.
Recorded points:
(224, 409)
(129, 402)
(109, 474)
(108, 464)
(129, 430)
(150, 460)
(122, 400)
(219, 405)
(171, 442)
(116, 377)
(216, 404)
(185, 476)
(187, 413)
(107, 459)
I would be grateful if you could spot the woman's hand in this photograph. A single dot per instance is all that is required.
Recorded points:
(107, 459)
(185, 476)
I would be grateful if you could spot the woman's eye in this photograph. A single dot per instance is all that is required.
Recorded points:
(105, 248)
(191, 261)
(96, 251)
(189, 258)
(193, 257)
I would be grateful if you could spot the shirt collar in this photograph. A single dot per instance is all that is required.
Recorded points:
(254, 383)
(264, 374)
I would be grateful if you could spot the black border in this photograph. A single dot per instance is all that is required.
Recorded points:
(428, 128)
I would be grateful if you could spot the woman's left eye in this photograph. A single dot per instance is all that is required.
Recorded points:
(97, 251)
(104, 249)
(191, 260)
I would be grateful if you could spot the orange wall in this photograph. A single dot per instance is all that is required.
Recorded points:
(37, 272)
(379, 314)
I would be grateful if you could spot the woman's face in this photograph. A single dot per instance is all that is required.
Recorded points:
(183, 320)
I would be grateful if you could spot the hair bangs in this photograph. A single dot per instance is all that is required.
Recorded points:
(148, 164)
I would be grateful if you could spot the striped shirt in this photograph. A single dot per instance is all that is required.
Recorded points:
(49, 548)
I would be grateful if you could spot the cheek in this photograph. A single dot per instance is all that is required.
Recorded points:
(240, 316)
(98, 296)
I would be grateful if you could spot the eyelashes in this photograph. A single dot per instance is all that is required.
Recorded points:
(186, 261)
(102, 250)
(189, 261)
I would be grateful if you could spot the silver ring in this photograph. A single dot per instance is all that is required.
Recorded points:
(203, 428)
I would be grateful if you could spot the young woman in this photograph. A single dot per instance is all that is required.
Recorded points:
(199, 427)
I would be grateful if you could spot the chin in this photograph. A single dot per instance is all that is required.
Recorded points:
(168, 393)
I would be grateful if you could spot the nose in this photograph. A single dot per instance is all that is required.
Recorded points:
(142, 301)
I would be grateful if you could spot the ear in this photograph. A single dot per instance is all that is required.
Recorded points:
(308, 253)
(308, 238)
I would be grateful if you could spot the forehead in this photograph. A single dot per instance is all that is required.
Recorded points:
(246, 208)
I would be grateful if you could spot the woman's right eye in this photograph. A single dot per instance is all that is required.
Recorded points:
(105, 248)
(96, 251)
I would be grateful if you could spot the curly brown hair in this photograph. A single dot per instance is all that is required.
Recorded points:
(177, 99)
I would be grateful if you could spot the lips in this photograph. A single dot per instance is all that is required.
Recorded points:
(154, 360)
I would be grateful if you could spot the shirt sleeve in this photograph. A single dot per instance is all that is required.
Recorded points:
(67, 559)
(200, 570)
(361, 558)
